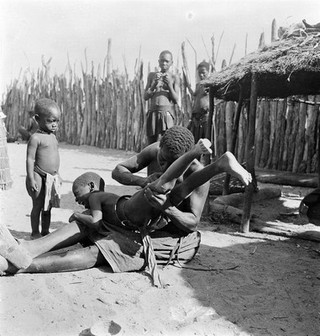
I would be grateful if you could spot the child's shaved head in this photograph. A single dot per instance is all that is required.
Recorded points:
(166, 52)
(204, 64)
(87, 178)
(44, 106)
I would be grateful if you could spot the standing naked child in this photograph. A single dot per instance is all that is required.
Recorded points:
(162, 90)
(43, 163)
(199, 118)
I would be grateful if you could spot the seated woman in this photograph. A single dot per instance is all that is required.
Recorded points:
(118, 224)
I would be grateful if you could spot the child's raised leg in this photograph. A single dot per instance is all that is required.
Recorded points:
(164, 184)
(226, 163)
(168, 179)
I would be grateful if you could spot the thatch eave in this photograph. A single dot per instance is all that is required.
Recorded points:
(284, 68)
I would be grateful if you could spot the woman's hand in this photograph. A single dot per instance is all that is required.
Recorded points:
(156, 200)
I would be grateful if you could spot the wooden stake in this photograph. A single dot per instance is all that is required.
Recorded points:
(273, 30)
(235, 129)
(209, 125)
(245, 224)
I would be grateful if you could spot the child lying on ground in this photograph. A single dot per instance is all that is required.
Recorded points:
(108, 211)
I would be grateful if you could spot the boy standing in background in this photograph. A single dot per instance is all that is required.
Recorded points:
(199, 118)
(43, 163)
(163, 91)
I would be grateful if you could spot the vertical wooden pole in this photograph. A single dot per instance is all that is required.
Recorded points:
(209, 134)
(318, 157)
(274, 30)
(234, 138)
(245, 223)
(207, 158)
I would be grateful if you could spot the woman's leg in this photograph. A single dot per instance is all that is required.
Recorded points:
(68, 235)
(66, 260)
(65, 236)
(226, 163)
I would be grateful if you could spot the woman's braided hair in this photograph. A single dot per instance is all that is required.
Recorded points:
(178, 140)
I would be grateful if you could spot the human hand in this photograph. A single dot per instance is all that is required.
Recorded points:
(155, 199)
(72, 218)
(158, 76)
(167, 79)
(153, 177)
(33, 185)
(145, 181)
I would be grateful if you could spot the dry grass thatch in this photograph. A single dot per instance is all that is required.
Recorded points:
(284, 68)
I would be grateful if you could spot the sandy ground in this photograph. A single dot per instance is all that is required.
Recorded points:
(253, 284)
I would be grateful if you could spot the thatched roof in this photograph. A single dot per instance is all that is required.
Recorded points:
(284, 68)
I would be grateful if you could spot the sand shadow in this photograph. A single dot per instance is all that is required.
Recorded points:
(263, 286)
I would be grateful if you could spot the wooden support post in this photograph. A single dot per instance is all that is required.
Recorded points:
(318, 157)
(234, 138)
(245, 223)
(210, 136)
(209, 133)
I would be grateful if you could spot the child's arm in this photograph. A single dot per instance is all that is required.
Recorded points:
(93, 219)
(192, 93)
(151, 85)
(173, 83)
(31, 156)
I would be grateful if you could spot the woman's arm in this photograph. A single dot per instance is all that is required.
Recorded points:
(124, 172)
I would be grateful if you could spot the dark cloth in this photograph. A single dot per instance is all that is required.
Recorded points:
(122, 243)
(159, 120)
(198, 125)
(124, 250)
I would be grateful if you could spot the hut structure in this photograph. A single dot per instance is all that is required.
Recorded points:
(287, 67)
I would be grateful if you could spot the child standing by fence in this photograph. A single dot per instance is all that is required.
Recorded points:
(199, 118)
(43, 163)
(162, 90)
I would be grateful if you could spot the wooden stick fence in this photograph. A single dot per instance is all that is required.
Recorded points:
(108, 111)
(286, 133)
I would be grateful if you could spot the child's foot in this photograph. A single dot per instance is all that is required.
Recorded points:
(36, 235)
(203, 145)
(4, 265)
(230, 165)
(44, 233)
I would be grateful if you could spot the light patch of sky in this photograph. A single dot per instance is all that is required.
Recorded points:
(66, 28)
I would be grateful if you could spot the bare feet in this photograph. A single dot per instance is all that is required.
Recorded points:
(230, 165)
(34, 236)
(203, 145)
